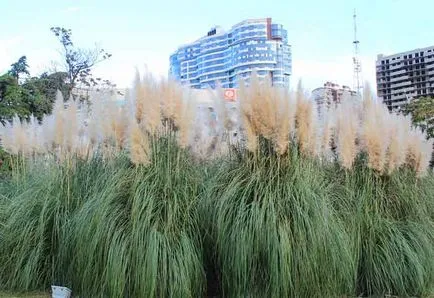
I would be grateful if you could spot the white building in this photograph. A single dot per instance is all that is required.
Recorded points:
(404, 76)
(331, 94)
(253, 45)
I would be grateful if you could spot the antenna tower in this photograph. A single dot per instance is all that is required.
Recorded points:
(357, 65)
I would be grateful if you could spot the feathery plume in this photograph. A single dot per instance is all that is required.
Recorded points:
(71, 125)
(59, 121)
(375, 134)
(286, 122)
(419, 152)
(246, 118)
(327, 127)
(398, 143)
(19, 134)
(139, 95)
(346, 135)
(152, 111)
(186, 122)
(139, 145)
(306, 127)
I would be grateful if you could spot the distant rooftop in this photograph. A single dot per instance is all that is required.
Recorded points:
(218, 30)
(381, 56)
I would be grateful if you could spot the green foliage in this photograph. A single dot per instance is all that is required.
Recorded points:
(19, 67)
(14, 100)
(48, 84)
(422, 114)
(5, 169)
(39, 104)
(23, 100)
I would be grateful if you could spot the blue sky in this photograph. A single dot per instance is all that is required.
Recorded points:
(145, 32)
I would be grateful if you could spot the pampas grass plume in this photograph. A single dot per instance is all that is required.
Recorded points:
(139, 145)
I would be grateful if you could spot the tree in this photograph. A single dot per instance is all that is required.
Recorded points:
(12, 100)
(78, 61)
(422, 114)
(38, 103)
(22, 100)
(48, 84)
(19, 67)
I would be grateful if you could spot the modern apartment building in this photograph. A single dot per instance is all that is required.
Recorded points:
(330, 95)
(225, 56)
(404, 76)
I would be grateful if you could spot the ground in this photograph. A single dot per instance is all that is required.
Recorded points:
(24, 295)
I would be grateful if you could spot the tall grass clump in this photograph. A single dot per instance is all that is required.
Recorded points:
(35, 221)
(390, 220)
(149, 244)
(386, 201)
(275, 231)
(151, 241)
(111, 208)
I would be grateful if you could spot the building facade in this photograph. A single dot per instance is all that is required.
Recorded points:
(225, 56)
(330, 95)
(404, 76)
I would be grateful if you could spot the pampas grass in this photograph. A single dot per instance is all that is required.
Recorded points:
(140, 200)
(419, 152)
(306, 127)
(374, 136)
(275, 233)
(139, 146)
(346, 135)
(327, 126)
(392, 229)
(398, 143)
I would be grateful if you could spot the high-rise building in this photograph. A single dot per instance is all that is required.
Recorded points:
(404, 76)
(225, 56)
(330, 95)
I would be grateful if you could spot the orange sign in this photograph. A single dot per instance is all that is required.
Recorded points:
(230, 94)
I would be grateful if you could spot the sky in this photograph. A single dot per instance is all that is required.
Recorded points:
(143, 33)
